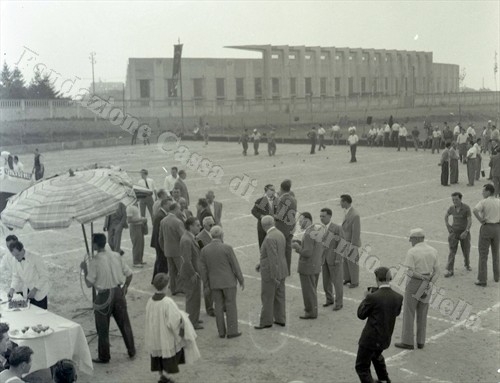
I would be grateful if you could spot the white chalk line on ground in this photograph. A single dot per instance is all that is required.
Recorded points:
(338, 198)
(406, 238)
(443, 333)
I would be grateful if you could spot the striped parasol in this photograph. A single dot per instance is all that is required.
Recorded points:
(81, 196)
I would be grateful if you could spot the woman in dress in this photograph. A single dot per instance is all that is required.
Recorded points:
(38, 168)
(169, 335)
(138, 228)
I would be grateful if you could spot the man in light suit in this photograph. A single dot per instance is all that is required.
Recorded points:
(273, 270)
(114, 225)
(189, 274)
(351, 242)
(286, 208)
(161, 264)
(265, 205)
(220, 271)
(214, 206)
(171, 231)
(181, 185)
(310, 260)
(381, 306)
(204, 238)
(333, 272)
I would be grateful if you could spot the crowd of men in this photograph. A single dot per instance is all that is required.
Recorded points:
(190, 246)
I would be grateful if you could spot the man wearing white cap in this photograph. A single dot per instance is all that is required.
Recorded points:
(423, 270)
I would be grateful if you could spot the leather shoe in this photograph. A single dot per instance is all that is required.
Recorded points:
(307, 317)
(405, 346)
(420, 345)
(328, 304)
(198, 327)
(222, 336)
(468, 268)
(337, 308)
(99, 361)
(131, 354)
(347, 282)
(482, 284)
(211, 314)
(260, 327)
(234, 335)
(200, 321)
(352, 285)
(280, 324)
(448, 274)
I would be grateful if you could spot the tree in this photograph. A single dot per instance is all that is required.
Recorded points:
(42, 87)
(17, 88)
(5, 81)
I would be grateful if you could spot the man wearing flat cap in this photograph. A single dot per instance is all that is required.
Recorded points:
(423, 271)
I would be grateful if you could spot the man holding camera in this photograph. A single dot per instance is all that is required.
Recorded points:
(381, 306)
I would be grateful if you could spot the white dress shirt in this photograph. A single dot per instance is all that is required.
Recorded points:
(31, 273)
(489, 209)
(403, 132)
(169, 183)
(150, 185)
(353, 139)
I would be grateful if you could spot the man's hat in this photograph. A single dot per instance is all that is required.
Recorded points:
(417, 233)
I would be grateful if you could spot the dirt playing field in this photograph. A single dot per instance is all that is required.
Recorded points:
(393, 192)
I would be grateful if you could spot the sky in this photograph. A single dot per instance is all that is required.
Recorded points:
(63, 33)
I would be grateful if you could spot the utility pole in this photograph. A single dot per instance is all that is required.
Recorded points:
(92, 61)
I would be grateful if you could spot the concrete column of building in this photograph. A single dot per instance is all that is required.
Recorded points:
(316, 77)
(346, 70)
(332, 68)
(266, 78)
(372, 77)
(300, 84)
(230, 81)
(285, 72)
(395, 74)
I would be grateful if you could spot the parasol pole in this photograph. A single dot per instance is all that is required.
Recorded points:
(85, 238)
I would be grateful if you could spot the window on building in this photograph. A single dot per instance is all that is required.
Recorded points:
(171, 89)
(397, 86)
(323, 57)
(291, 57)
(308, 85)
(275, 56)
(258, 87)
(351, 86)
(275, 86)
(322, 86)
(363, 84)
(424, 85)
(240, 88)
(144, 88)
(198, 88)
(307, 57)
(386, 84)
(337, 85)
(374, 86)
(220, 89)
(293, 86)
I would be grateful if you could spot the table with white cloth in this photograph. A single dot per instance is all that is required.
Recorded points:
(66, 342)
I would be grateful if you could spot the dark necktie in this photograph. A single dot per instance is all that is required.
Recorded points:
(146, 181)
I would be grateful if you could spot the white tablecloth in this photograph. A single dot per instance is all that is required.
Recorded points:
(66, 342)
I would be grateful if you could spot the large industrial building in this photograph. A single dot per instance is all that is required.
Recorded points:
(288, 72)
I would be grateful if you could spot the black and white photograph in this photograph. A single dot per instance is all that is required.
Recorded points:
(249, 191)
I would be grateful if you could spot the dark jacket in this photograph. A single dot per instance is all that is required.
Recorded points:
(381, 308)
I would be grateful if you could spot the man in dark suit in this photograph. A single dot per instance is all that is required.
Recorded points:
(273, 271)
(215, 207)
(381, 306)
(181, 185)
(161, 264)
(351, 232)
(310, 260)
(333, 272)
(189, 274)
(220, 271)
(286, 209)
(202, 210)
(265, 205)
(204, 238)
(171, 231)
